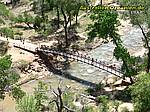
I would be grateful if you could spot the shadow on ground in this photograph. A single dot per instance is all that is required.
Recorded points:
(63, 73)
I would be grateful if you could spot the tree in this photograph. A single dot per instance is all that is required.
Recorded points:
(68, 9)
(139, 18)
(4, 13)
(17, 93)
(105, 27)
(24, 18)
(55, 4)
(40, 95)
(140, 94)
(7, 76)
(8, 32)
(28, 104)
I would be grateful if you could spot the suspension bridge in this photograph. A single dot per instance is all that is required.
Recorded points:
(71, 55)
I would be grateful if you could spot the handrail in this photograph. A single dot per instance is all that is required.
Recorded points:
(76, 56)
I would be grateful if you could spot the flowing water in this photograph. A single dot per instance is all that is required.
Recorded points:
(131, 37)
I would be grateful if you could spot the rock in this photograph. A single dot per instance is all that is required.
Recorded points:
(90, 71)
(121, 88)
(68, 86)
(84, 74)
(104, 81)
(121, 82)
(60, 58)
(127, 106)
(108, 89)
(111, 79)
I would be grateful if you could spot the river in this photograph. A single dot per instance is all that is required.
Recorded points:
(131, 37)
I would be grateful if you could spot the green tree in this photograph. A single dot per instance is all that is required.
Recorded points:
(7, 76)
(17, 93)
(24, 18)
(68, 10)
(105, 27)
(141, 94)
(140, 18)
(8, 32)
(27, 104)
(5, 14)
(103, 106)
(40, 95)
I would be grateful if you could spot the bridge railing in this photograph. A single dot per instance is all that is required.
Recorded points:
(77, 56)
(85, 59)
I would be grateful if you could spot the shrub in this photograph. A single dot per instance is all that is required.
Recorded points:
(27, 104)
(140, 93)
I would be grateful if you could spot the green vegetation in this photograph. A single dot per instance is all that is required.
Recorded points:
(7, 32)
(139, 18)
(3, 48)
(8, 78)
(105, 27)
(102, 24)
(28, 104)
(140, 93)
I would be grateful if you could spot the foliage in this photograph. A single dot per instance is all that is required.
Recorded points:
(40, 94)
(8, 78)
(141, 94)
(17, 93)
(8, 32)
(103, 103)
(3, 48)
(105, 27)
(28, 104)
(105, 23)
(140, 18)
(24, 18)
(5, 63)
(68, 98)
(5, 14)
(88, 109)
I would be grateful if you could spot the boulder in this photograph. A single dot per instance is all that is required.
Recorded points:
(90, 71)
(111, 79)
(126, 106)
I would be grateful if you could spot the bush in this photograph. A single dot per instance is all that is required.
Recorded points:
(140, 93)
(28, 104)
(3, 48)
(103, 107)
(8, 32)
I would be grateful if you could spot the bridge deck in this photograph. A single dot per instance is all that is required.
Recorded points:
(75, 56)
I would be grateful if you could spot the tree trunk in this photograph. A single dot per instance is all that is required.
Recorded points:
(147, 45)
(42, 9)
(77, 13)
(125, 64)
(76, 19)
(70, 19)
(58, 18)
(101, 2)
(148, 61)
(66, 38)
(65, 27)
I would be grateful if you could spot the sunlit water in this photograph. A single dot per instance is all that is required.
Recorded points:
(131, 37)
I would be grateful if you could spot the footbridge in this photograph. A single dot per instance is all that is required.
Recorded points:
(72, 55)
